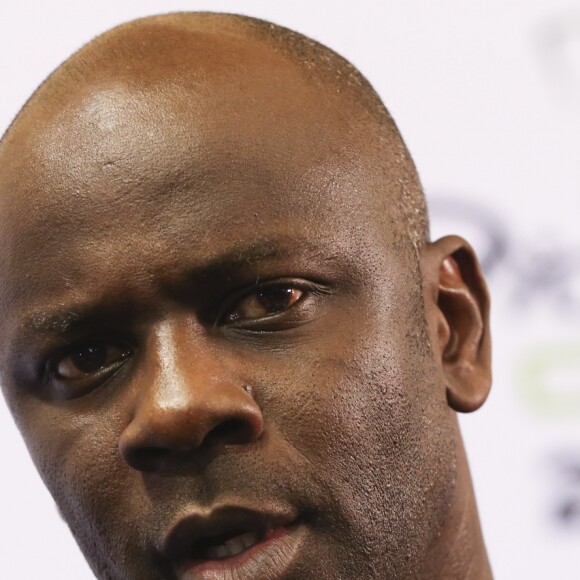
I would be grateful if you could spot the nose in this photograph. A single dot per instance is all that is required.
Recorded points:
(186, 406)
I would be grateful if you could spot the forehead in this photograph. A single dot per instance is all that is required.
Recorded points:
(237, 110)
(123, 161)
(169, 166)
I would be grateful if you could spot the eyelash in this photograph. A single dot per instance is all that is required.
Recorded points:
(56, 359)
(306, 289)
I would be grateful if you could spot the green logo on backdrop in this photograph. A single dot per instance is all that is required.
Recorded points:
(550, 379)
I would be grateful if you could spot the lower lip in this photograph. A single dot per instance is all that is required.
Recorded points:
(267, 560)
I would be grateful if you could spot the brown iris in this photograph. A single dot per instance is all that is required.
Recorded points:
(266, 301)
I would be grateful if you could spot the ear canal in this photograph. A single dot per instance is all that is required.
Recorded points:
(465, 354)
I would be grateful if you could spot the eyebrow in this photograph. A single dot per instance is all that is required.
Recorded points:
(61, 320)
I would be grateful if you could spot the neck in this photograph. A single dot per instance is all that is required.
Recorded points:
(459, 553)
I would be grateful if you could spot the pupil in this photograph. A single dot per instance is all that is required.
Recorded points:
(275, 299)
(90, 358)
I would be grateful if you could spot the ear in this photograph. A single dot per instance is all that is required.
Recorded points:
(457, 309)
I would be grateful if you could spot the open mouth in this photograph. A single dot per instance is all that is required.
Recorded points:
(226, 545)
(234, 543)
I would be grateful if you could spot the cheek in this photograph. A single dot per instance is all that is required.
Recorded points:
(69, 448)
(77, 457)
(369, 415)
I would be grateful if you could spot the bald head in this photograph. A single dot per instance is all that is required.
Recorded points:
(150, 72)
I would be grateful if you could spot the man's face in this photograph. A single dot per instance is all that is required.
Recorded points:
(212, 337)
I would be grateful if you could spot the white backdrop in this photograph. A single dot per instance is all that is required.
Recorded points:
(487, 96)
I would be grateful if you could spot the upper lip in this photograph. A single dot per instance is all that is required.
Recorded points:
(189, 531)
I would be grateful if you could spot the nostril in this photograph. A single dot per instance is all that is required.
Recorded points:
(230, 431)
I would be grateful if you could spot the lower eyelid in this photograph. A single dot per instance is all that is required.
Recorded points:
(63, 389)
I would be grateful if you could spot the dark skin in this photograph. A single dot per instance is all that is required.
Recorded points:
(206, 315)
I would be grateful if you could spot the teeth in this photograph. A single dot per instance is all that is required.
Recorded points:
(232, 547)
(235, 546)
(248, 539)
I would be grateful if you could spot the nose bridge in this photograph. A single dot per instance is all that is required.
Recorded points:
(180, 369)
(187, 400)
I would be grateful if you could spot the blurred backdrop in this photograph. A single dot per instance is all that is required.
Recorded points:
(487, 96)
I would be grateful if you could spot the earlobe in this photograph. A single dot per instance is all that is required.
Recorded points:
(457, 301)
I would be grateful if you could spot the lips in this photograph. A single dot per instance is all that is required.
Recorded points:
(234, 542)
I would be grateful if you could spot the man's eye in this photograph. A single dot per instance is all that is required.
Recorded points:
(89, 359)
(264, 302)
